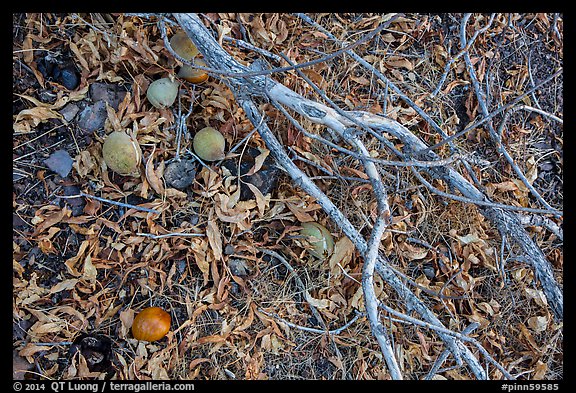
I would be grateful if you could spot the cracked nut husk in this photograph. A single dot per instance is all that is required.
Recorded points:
(319, 238)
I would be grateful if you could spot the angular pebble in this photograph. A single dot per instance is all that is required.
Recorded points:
(69, 111)
(110, 93)
(93, 117)
(60, 162)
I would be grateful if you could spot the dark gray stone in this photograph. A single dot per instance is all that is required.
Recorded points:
(180, 174)
(69, 111)
(266, 179)
(110, 93)
(60, 162)
(93, 117)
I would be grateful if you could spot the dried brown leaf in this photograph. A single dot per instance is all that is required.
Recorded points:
(261, 200)
(89, 272)
(300, 212)
(538, 323)
(214, 237)
(154, 177)
(258, 162)
(400, 62)
(64, 285)
(343, 251)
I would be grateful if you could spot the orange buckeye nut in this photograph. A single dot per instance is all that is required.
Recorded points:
(151, 324)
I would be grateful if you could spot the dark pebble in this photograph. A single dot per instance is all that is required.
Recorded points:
(111, 93)
(60, 162)
(69, 78)
(93, 117)
(266, 179)
(180, 174)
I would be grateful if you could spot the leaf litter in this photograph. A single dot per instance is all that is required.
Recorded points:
(88, 273)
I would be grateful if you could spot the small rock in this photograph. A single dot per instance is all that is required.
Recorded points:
(69, 111)
(238, 267)
(68, 76)
(180, 174)
(61, 71)
(229, 249)
(429, 272)
(60, 162)
(266, 179)
(93, 117)
(110, 93)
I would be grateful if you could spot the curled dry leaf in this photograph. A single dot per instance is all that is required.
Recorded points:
(154, 177)
(343, 251)
(261, 200)
(214, 237)
(538, 323)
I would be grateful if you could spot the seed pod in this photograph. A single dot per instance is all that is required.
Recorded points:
(209, 144)
(162, 93)
(319, 238)
(193, 75)
(183, 45)
(121, 153)
(151, 324)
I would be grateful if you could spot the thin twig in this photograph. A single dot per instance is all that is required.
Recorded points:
(480, 94)
(487, 118)
(251, 47)
(333, 332)
(459, 54)
(126, 205)
(526, 108)
(199, 160)
(532, 78)
(460, 336)
(430, 292)
(171, 234)
(483, 203)
(444, 355)
(555, 26)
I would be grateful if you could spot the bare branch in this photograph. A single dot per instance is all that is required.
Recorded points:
(480, 94)
(444, 355)
(126, 205)
(460, 336)
(333, 332)
(371, 302)
(342, 122)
